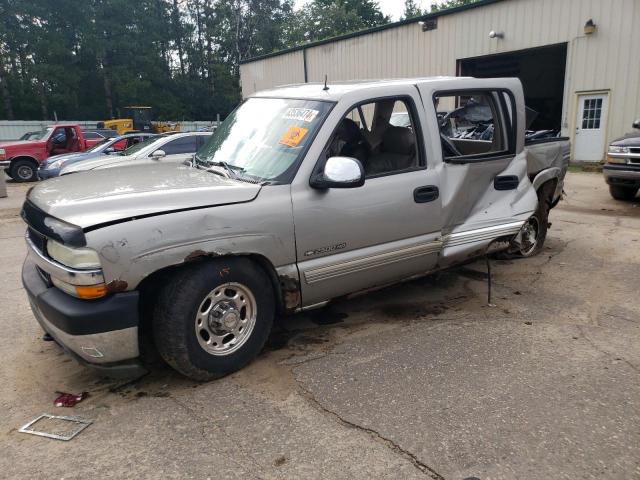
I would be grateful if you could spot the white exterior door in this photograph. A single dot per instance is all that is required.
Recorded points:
(590, 127)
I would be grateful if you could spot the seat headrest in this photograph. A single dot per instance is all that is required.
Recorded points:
(398, 140)
(349, 131)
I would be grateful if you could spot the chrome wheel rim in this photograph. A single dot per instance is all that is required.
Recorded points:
(225, 319)
(24, 172)
(529, 236)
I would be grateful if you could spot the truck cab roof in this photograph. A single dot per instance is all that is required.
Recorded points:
(336, 90)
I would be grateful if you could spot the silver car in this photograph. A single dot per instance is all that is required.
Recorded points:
(168, 148)
(304, 194)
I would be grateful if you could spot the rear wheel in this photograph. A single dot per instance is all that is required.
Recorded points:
(623, 193)
(534, 231)
(213, 318)
(24, 171)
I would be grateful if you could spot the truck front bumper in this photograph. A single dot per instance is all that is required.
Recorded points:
(622, 175)
(99, 333)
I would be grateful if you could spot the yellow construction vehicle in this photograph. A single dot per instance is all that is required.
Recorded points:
(138, 120)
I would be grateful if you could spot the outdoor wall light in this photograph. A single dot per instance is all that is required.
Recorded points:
(590, 27)
(494, 34)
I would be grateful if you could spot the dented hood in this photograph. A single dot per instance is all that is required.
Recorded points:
(96, 197)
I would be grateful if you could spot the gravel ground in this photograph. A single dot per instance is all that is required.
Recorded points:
(420, 380)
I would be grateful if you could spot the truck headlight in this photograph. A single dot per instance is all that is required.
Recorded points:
(617, 149)
(2, 154)
(80, 258)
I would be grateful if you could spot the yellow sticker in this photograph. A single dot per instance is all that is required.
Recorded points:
(293, 136)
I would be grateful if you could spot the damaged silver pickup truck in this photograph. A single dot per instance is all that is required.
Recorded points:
(304, 194)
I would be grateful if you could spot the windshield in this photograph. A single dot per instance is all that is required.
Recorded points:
(264, 137)
(139, 146)
(41, 135)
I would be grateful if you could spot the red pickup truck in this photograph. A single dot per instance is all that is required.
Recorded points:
(20, 158)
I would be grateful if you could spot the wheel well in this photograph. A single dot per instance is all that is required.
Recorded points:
(547, 189)
(29, 159)
(150, 286)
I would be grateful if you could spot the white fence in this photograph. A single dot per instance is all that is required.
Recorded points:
(14, 129)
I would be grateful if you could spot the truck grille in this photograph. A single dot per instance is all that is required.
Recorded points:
(39, 242)
(37, 239)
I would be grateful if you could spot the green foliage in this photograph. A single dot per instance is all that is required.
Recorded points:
(87, 59)
(411, 9)
(320, 19)
(436, 7)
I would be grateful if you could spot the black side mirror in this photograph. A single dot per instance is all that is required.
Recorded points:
(339, 172)
(636, 124)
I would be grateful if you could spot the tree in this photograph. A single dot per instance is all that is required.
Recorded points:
(437, 7)
(411, 9)
(320, 19)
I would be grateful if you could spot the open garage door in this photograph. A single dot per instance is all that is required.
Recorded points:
(541, 71)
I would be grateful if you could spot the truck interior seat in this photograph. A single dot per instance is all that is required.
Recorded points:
(397, 152)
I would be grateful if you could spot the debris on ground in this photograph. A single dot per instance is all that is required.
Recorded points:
(69, 399)
(56, 426)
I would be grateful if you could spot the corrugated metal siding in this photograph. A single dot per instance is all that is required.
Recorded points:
(281, 70)
(606, 60)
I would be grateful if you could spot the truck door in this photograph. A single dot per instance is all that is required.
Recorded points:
(487, 193)
(389, 228)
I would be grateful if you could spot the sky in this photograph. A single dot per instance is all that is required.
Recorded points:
(393, 8)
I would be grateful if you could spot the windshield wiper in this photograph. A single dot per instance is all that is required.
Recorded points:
(232, 170)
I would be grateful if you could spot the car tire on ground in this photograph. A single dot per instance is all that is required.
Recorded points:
(214, 317)
(619, 192)
(24, 171)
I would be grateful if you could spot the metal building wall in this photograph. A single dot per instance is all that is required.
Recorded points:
(279, 70)
(605, 60)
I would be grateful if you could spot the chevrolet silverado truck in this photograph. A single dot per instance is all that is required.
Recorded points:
(305, 194)
(622, 170)
(21, 158)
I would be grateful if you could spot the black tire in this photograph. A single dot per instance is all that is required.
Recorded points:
(179, 302)
(24, 171)
(623, 193)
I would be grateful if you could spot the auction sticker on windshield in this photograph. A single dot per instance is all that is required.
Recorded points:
(293, 136)
(301, 114)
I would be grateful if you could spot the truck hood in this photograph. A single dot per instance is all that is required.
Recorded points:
(18, 143)
(631, 139)
(92, 198)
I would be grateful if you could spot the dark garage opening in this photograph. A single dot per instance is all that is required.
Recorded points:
(541, 71)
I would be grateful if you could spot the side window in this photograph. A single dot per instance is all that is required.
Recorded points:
(474, 124)
(91, 135)
(120, 145)
(180, 145)
(200, 139)
(381, 135)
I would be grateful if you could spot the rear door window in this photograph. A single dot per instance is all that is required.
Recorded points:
(474, 125)
(180, 145)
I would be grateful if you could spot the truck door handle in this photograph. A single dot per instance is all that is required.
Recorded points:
(426, 194)
(506, 182)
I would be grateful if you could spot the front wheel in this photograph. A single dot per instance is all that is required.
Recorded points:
(24, 171)
(622, 193)
(213, 318)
